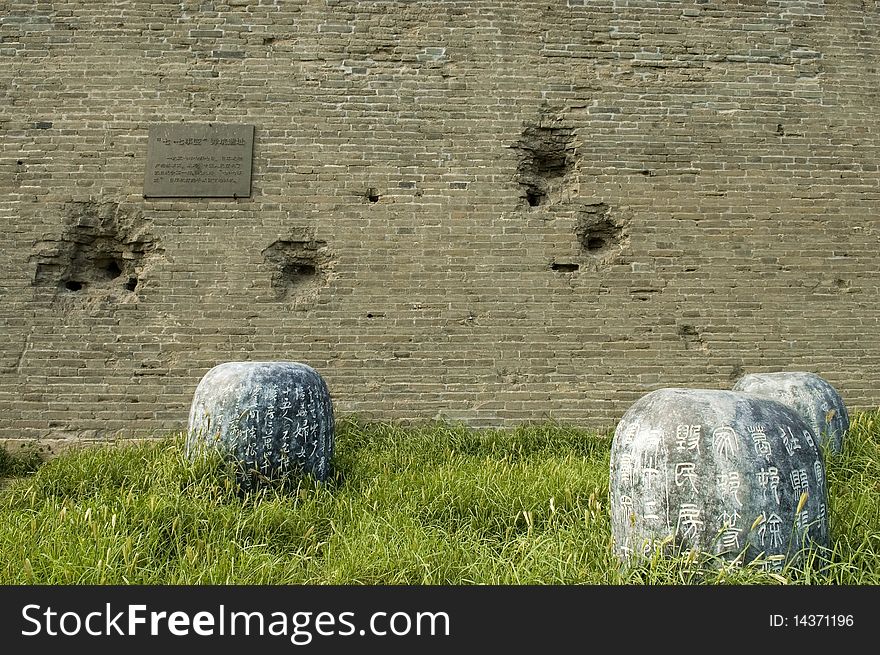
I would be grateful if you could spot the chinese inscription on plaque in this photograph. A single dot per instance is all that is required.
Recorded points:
(204, 160)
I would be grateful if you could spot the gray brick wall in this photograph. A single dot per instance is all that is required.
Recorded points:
(511, 211)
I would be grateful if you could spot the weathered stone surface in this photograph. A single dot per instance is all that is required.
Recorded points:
(275, 419)
(717, 471)
(809, 395)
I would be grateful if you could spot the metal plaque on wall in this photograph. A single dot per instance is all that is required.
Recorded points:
(199, 160)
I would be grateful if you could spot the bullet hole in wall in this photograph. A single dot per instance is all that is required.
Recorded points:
(102, 253)
(598, 232)
(299, 265)
(546, 159)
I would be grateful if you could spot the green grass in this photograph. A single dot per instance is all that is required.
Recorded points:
(436, 504)
(22, 464)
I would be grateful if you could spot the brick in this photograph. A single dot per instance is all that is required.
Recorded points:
(419, 173)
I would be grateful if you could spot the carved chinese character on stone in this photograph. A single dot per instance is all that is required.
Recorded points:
(809, 395)
(273, 419)
(721, 472)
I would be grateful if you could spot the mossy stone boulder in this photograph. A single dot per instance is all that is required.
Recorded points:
(273, 419)
(810, 395)
(721, 472)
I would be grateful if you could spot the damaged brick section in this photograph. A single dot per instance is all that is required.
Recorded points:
(600, 234)
(301, 266)
(102, 255)
(691, 337)
(547, 158)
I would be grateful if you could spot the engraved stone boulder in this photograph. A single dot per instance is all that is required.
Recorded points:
(274, 420)
(810, 396)
(720, 472)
